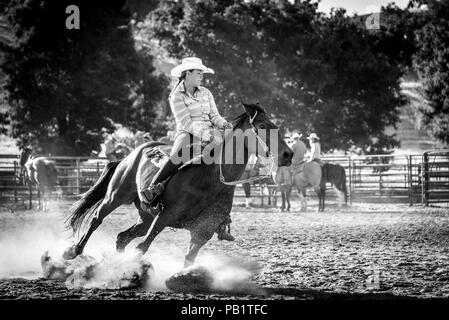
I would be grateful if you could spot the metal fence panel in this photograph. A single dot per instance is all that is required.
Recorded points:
(416, 178)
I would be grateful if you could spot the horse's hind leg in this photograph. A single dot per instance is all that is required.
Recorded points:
(287, 194)
(283, 200)
(102, 211)
(319, 193)
(343, 197)
(39, 200)
(139, 229)
(30, 198)
(302, 195)
(45, 199)
(323, 197)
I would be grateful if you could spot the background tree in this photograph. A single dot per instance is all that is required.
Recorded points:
(431, 61)
(67, 87)
(315, 73)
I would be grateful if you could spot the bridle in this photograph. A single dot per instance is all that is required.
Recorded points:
(265, 148)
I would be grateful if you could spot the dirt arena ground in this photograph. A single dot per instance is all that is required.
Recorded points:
(370, 251)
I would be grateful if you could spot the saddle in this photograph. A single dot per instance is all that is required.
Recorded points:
(158, 155)
(156, 158)
(298, 168)
(161, 154)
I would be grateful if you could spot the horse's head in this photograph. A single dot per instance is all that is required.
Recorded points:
(255, 122)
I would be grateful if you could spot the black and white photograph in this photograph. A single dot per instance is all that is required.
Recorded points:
(224, 150)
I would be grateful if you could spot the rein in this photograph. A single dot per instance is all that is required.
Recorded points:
(265, 149)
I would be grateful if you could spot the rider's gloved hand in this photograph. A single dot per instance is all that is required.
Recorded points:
(228, 125)
(206, 136)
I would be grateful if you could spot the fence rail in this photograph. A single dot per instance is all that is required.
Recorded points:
(416, 178)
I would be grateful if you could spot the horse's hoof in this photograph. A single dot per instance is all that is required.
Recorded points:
(120, 245)
(70, 253)
(120, 248)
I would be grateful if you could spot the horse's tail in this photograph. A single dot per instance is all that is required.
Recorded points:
(91, 199)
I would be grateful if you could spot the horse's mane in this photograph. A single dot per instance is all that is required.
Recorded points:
(240, 120)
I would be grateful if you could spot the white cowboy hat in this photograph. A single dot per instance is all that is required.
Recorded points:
(296, 135)
(313, 136)
(190, 63)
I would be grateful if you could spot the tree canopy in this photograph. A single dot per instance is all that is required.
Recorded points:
(431, 61)
(66, 87)
(315, 73)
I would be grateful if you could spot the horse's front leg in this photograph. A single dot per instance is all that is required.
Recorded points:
(45, 200)
(159, 223)
(137, 230)
(196, 243)
(39, 198)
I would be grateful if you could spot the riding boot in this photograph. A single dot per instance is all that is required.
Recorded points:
(223, 234)
(156, 187)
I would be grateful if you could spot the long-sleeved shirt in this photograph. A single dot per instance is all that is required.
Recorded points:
(194, 114)
(315, 151)
(299, 150)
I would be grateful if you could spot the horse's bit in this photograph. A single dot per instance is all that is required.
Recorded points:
(265, 149)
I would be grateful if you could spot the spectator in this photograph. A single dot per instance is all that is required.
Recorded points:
(315, 148)
(299, 150)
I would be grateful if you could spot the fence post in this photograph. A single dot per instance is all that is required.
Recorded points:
(350, 180)
(425, 173)
(16, 180)
(410, 182)
(78, 183)
(380, 183)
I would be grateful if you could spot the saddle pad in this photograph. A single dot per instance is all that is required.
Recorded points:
(298, 168)
(158, 155)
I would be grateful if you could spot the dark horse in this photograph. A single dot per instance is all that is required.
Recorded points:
(41, 173)
(195, 198)
(336, 175)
